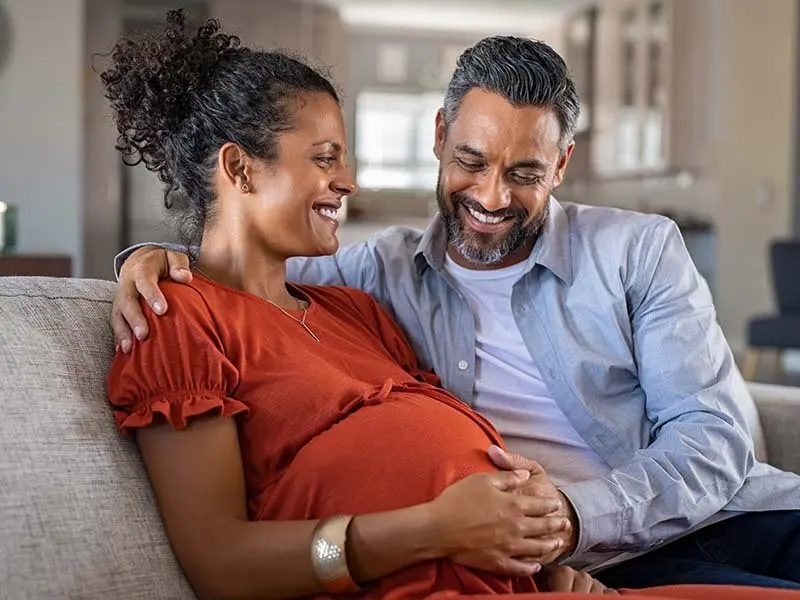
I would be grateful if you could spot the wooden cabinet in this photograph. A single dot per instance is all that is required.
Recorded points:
(633, 75)
(35, 265)
(620, 53)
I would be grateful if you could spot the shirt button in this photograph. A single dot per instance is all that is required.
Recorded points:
(463, 365)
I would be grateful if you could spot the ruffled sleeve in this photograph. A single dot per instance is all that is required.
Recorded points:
(180, 371)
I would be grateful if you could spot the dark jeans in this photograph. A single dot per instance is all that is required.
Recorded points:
(757, 549)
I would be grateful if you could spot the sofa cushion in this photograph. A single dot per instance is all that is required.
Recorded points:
(77, 515)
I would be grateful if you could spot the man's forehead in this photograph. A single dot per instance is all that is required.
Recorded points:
(486, 121)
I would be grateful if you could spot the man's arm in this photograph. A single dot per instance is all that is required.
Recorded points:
(352, 265)
(140, 268)
(700, 449)
(119, 259)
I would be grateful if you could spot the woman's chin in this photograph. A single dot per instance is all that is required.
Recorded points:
(326, 246)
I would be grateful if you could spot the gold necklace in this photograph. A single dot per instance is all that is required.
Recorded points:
(301, 321)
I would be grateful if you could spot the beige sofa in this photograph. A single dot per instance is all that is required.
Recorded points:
(77, 517)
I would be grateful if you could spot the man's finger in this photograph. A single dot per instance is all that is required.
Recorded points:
(561, 580)
(178, 264)
(131, 311)
(149, 290)
(509, 461)
(538, 506)
(541, 527)
(123, 336)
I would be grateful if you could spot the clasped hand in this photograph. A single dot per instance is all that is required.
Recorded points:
(511, 522)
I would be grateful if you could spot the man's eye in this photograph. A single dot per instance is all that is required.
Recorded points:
(326, 160)
(470, 166)
(526, 179)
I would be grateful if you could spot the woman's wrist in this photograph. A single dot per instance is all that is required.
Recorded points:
(379, 544)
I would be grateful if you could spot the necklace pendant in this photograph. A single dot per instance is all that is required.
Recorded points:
(308, 329)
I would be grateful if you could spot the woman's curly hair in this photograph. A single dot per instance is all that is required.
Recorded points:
(177, 98)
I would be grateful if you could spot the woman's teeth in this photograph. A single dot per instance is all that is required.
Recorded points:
(329, 213)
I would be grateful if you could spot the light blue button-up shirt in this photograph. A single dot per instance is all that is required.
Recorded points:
(623, 330)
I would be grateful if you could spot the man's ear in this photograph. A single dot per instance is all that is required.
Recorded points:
(562, 165)
(441, 134)
(235, 167)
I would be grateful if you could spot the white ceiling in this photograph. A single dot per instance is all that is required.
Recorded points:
(498, 16)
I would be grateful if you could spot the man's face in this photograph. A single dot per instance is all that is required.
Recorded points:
(498, 165)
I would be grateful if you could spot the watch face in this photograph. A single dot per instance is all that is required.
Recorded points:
(5, 37)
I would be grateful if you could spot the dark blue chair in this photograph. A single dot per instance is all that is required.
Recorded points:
(779, 332)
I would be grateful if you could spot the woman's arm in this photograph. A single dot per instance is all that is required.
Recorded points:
(198, 479)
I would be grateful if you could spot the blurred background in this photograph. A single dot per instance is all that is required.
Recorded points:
(689, 110)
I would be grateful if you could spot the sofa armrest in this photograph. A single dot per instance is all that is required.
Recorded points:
(779, 412)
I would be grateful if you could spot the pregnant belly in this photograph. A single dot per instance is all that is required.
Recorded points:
(398, 452)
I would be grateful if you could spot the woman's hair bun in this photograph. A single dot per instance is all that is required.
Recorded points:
(153, 80)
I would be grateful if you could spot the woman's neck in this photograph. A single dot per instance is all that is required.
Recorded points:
(234, 255)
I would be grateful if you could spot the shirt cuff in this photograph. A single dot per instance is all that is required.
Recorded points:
(601, 514)
(120, 258)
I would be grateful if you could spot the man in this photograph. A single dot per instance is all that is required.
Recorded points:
(584, 334)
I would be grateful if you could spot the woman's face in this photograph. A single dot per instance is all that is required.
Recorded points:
(297, 197)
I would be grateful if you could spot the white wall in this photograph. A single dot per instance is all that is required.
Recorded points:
(41, 125)
(102, 198)
(751, 153)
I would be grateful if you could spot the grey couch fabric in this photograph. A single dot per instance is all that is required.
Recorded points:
(77, 516)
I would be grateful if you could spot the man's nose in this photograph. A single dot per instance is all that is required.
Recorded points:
(493, 194)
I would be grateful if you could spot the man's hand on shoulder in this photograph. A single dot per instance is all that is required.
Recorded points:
(540, 485)
(139, 277)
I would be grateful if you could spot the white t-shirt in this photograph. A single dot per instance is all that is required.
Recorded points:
(509, 390)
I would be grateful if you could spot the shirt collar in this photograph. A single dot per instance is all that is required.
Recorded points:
(552, 250)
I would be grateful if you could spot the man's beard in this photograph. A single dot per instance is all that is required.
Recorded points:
(480, 248)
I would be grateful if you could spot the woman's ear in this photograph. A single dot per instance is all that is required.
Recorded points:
(234, 166)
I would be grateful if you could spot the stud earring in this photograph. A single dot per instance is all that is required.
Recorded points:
(245, 188)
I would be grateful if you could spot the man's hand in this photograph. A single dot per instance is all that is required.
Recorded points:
(540, 485)
(139, 276)
(567, 579)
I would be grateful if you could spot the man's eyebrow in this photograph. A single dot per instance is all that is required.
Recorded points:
(527, 163)
(530, 163)
(467, 149)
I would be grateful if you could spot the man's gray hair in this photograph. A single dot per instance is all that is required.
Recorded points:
(525, 72)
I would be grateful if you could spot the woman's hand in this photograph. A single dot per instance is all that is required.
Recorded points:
(567, 579)
(484, 522)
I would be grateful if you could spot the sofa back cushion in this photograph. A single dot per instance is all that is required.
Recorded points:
(77, 515)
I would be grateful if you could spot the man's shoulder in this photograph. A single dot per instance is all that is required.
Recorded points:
(611, 227)
(389, 245)
(397, 238)
(590, 219)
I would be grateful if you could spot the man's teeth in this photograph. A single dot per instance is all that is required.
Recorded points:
(330, 213)
(484, 218)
